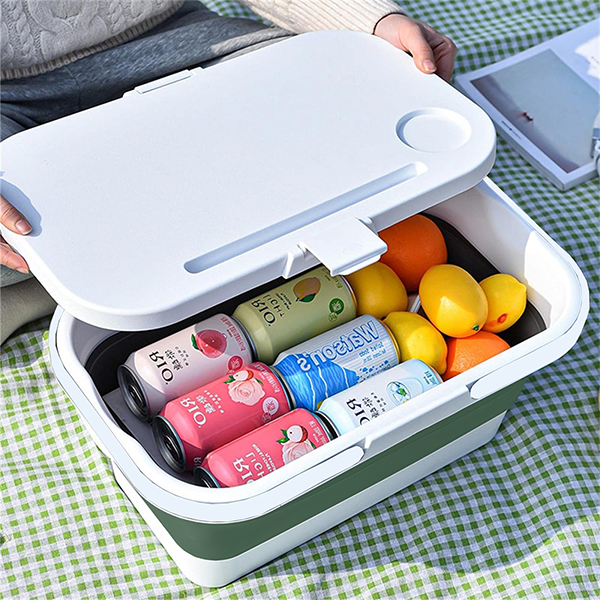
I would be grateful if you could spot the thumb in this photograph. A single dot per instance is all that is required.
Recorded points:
(418, 46)
(11, 218)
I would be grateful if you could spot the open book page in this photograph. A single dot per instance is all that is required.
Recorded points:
(546, 100)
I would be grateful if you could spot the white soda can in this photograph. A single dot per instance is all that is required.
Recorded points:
(182, 362)
(368, 400)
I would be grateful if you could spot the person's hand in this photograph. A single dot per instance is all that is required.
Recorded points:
(431, 51)
(12, 219)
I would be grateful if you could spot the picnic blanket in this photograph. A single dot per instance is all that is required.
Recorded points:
(518, 518)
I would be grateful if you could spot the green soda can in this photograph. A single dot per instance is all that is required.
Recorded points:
(295, 312)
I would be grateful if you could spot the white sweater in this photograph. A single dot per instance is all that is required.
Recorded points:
(40, 35)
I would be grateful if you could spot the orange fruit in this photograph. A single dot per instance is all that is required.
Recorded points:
(465, 353)
(414, 245)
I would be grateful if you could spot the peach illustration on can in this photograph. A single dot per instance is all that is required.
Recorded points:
(295, 443)
(245, 387)
(190, 427)
(306, 289)
(168, 368)
(264, 450)
(210, 342)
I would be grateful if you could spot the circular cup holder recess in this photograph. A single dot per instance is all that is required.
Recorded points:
(433, 130)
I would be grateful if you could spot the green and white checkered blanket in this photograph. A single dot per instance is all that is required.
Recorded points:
(518, 518)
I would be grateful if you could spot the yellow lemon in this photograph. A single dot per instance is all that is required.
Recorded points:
(378, 290)
(453, 301)
(507, 298)
(418, 338)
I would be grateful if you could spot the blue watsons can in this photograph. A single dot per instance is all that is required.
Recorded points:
(336, 360)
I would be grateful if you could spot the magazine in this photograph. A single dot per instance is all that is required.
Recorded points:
(545, 103)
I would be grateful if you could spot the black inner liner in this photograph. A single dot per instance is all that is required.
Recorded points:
(112, 352)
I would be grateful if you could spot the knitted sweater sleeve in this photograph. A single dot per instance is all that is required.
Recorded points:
(300, 16)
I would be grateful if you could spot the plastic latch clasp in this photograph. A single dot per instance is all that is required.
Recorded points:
(350, 246)
(159, 83)
(307, 480)
(408, 419)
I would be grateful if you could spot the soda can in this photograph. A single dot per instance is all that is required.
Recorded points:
(336, 360)
(371, 399)
(296, 311)
(190, 427)
(264, 450)
(170, 367)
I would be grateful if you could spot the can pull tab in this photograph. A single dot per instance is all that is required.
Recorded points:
(348, 247)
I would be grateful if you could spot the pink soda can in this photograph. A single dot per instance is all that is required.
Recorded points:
(264, 450)
(190, 427)
(171, 367)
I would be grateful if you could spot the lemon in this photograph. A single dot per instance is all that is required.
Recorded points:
(418, 338)
(506, 298)
(453, 301)
(378, 290)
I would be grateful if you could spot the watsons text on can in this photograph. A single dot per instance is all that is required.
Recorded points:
(371, 399)
(337, 360)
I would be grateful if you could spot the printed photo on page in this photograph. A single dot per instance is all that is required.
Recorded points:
(545, 101)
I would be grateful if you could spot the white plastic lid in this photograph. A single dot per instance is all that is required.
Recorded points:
(198, 187)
